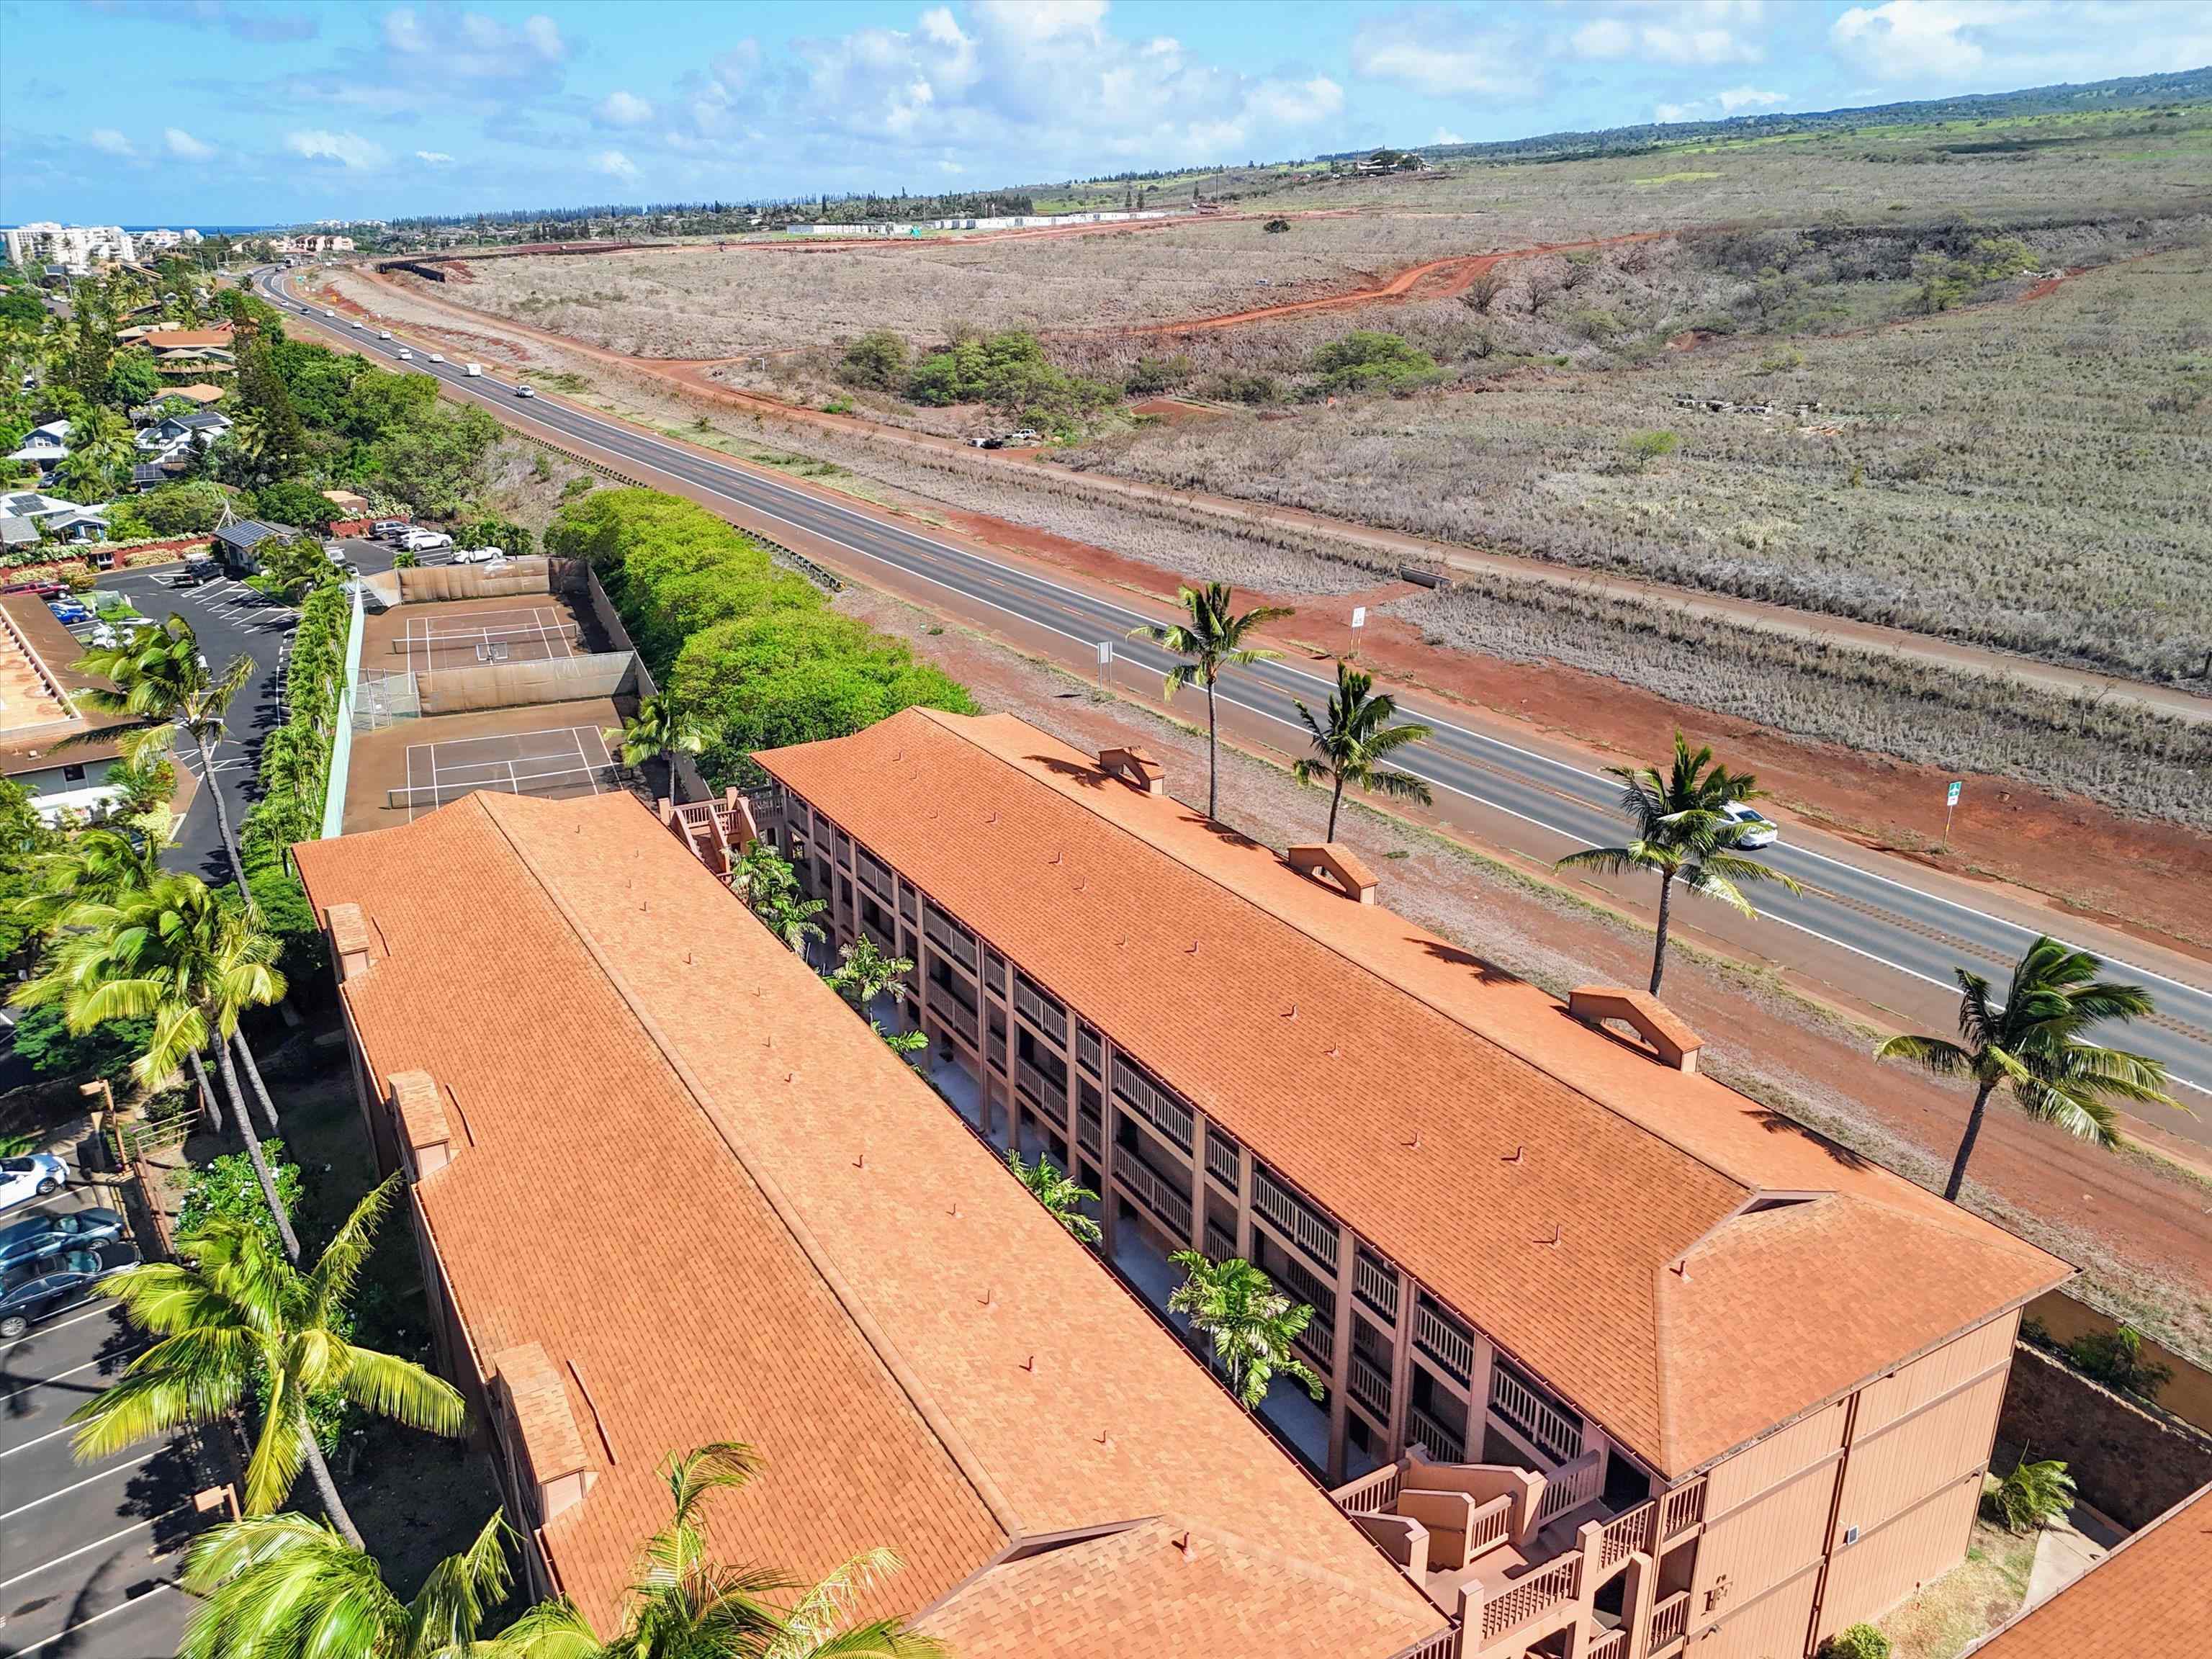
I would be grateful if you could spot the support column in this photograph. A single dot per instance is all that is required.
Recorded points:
(1340, 1364)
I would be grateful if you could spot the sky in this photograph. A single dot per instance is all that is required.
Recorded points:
(278, 112)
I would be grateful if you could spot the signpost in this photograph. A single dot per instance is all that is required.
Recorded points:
(1359, 622)
(1950, 805)
(1105, 660)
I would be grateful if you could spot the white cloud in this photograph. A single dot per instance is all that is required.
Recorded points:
(436, 158)
(1445, 54)
(1734, 102)
(1667, 114)
(108, 142)
(624, 109)
(185, 148)
(1445, 135)
(470, 45)
(349, 150)
(615, 165)
(1736, 99)
(1295, 103)
(543, 35)
(1989, 44)
(1682, 32)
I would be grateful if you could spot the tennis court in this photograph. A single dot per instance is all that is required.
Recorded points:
(529, 633)
(559, 762)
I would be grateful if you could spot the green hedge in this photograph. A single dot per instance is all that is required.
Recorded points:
(751, 649)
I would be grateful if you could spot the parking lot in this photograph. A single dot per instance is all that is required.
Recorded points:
(89, 1551)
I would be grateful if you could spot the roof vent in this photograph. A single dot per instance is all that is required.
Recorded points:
(349, 930)
(1333, 861)
(424, 1129)
(1660, 1027)
(541, 1432)
(1137, 766)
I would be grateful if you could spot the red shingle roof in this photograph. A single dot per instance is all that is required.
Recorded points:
(2151, 1595)
(690, 1176)
(1580, 1202)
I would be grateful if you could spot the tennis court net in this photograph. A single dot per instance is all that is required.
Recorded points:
(469, 639)
(509, 780)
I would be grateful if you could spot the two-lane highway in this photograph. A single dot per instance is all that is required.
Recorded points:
(1885, 919)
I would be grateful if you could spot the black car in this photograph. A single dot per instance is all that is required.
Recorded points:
(32, 1290)
(51, 1231)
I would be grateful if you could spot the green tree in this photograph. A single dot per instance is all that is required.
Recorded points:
(24, 837)
(268, 434)
(1248, 1323)
(2031, 1497)
(1349, 744)
(1364, 359)
(295, 502)
(234, 1311)
(436, 461)
(183, 509)
(1683, 833)
(293, 566)
(660, 730)
(769, 888)
(100, 457)
(1211, 637)
(877, 360)
(285, 1586)
(161, 684)
(1061, 1194)
(683, 1604)
(486, 530)
(2114, 1358)
(132, 379)
(1645, 447)
(864, 973)
(2036, 1043)
(100, 862)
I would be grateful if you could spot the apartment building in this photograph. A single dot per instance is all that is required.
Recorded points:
(667, 1190)
(75, 248)
(1618, 1362)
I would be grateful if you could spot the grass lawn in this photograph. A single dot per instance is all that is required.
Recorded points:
(1975, 1596)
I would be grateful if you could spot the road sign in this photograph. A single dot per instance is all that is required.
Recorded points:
(1952, 800)
(1950, 805)
(1106, 656)
(1359, 616)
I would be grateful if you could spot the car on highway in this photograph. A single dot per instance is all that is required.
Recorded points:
(33, 1175)
(358, 323)
(405, 355)
(384, 334)
(437, 357)
(48, 1284)
(1759, 829)
(49, 1232)
(479, 555)
(327, 312)
(525, 391)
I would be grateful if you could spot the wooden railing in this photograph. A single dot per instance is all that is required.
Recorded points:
(1444, 1445)
(1040, 1090)
(1155, 1194)
(1369, 1386)
(1223, 1160)
(1681, 1510)
(1570, 1487)
(1670, 1621)
(1220, 1245)
(1092, 1133)
(1625, 1535)
(1170, 1115)
(1555, 1434)
(1087, 1049)
(874, 874)
(1319, 1341)
(1311, 1231)
(1371, 1494)
(1375, 1282)
(955, 941)
(1533, 1597)
(1489, 1526)
(1442, 1338)
(1049, 1018)
(1610, 1644)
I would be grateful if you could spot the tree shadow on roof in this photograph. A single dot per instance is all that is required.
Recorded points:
(1454, 955)
(1778, 1122)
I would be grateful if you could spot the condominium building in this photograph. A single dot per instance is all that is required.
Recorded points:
(74, 248)
(1616, 1361)
(668, 1190)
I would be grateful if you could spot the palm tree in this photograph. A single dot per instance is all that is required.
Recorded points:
(172, 952)
(660, 729)
(685, 1605)
(1348, 748)
(1062, 1194)
(769, 887)
(287, 1587)
(864, 973)
(1684, 833)
(100, 862)
(2035, 1043)
(233, 1313)
(101, 454)
(1248, 1322)
(161, 684)
(1212, 639)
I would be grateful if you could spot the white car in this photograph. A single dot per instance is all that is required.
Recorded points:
(437, 356)
(384, 334)
(426, 541)
(480, 555)
(525, 391)
(33, 1175)
(1759, 830)
(327, 312)
(405, 355)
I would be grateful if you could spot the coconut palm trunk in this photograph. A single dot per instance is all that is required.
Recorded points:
(207, 1091)
(326, 1489)
(1966, 1142)
(222, 821)
(253, 1076)
(1336, 800)
(1659, 935)
(261, 1172)
(1212, 757)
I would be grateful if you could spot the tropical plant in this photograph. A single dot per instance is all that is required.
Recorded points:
(1857, 1642)
(1248, 1323)
(2115, 1357)
(100, 456)
(1349, 744)
(172, 952)
(864, 973)
(161, 684)
(769, 888)
(1683, 833)
(1211, 638)
(102, 862)
(285, 1586)
(2035, 1043)
(683, 1604)
(234, 1313)
(660, 730)
(1061, 1194)
(2032, 1495)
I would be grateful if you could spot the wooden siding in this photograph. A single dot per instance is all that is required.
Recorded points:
(1762, 1544)
(1873, 1574)
(1903, 1465)
(1882, 1402)
(1773, 1461)
(1771, 1628)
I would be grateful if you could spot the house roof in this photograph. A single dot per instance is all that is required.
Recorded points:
(203, 420)
(18, 531)
(692, 1177)
(175, 339)
(1598, 1214)
(249, 532)
(199, 394)
(2154, 1587)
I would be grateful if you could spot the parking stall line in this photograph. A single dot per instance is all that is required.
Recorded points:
(78, 1486)
(72, 1634)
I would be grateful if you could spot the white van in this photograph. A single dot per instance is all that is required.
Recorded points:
(472, 370)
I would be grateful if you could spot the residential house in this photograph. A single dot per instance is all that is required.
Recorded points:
(236, 543)
(46, 447)
(668, 1190)
(170, 434)
(47, 745)
(2148, 1594)
(51, 518)
(1617, 1362)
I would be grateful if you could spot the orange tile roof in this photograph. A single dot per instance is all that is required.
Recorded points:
(2145, 1597)
(1544, 1177)
(684, 1170)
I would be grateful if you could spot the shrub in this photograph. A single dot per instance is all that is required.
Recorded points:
(2032, 1495)
(1152, 375)
(1276, 227)
(43, 1041)
(1858, 1642)
(1232, 387)
(510, 538)
(877, 359)
(1365, 359)
(1645, 447)
(2116, 1360)
(182, 509)
(289, 501)
(224, 1188)
(1010, 372)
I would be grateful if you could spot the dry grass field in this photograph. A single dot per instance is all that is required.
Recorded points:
(2026, 476)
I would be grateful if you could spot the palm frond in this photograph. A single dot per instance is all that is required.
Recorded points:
(403, 1391)
(1929, 1054)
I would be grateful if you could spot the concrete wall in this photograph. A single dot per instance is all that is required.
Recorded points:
(2187, 1393)
(524, 684)
(436, 583)
(2133, 1463)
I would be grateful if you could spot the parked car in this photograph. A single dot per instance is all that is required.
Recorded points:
(38, 1289)
(390, 530)
(479, 555)
(51, 1231)
(43, 590)
(198, 568)
(67, 611)
(426, 541)
(1760, 831)
(31, 1175)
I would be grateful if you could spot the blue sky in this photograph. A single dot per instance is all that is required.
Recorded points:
(276, 111)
